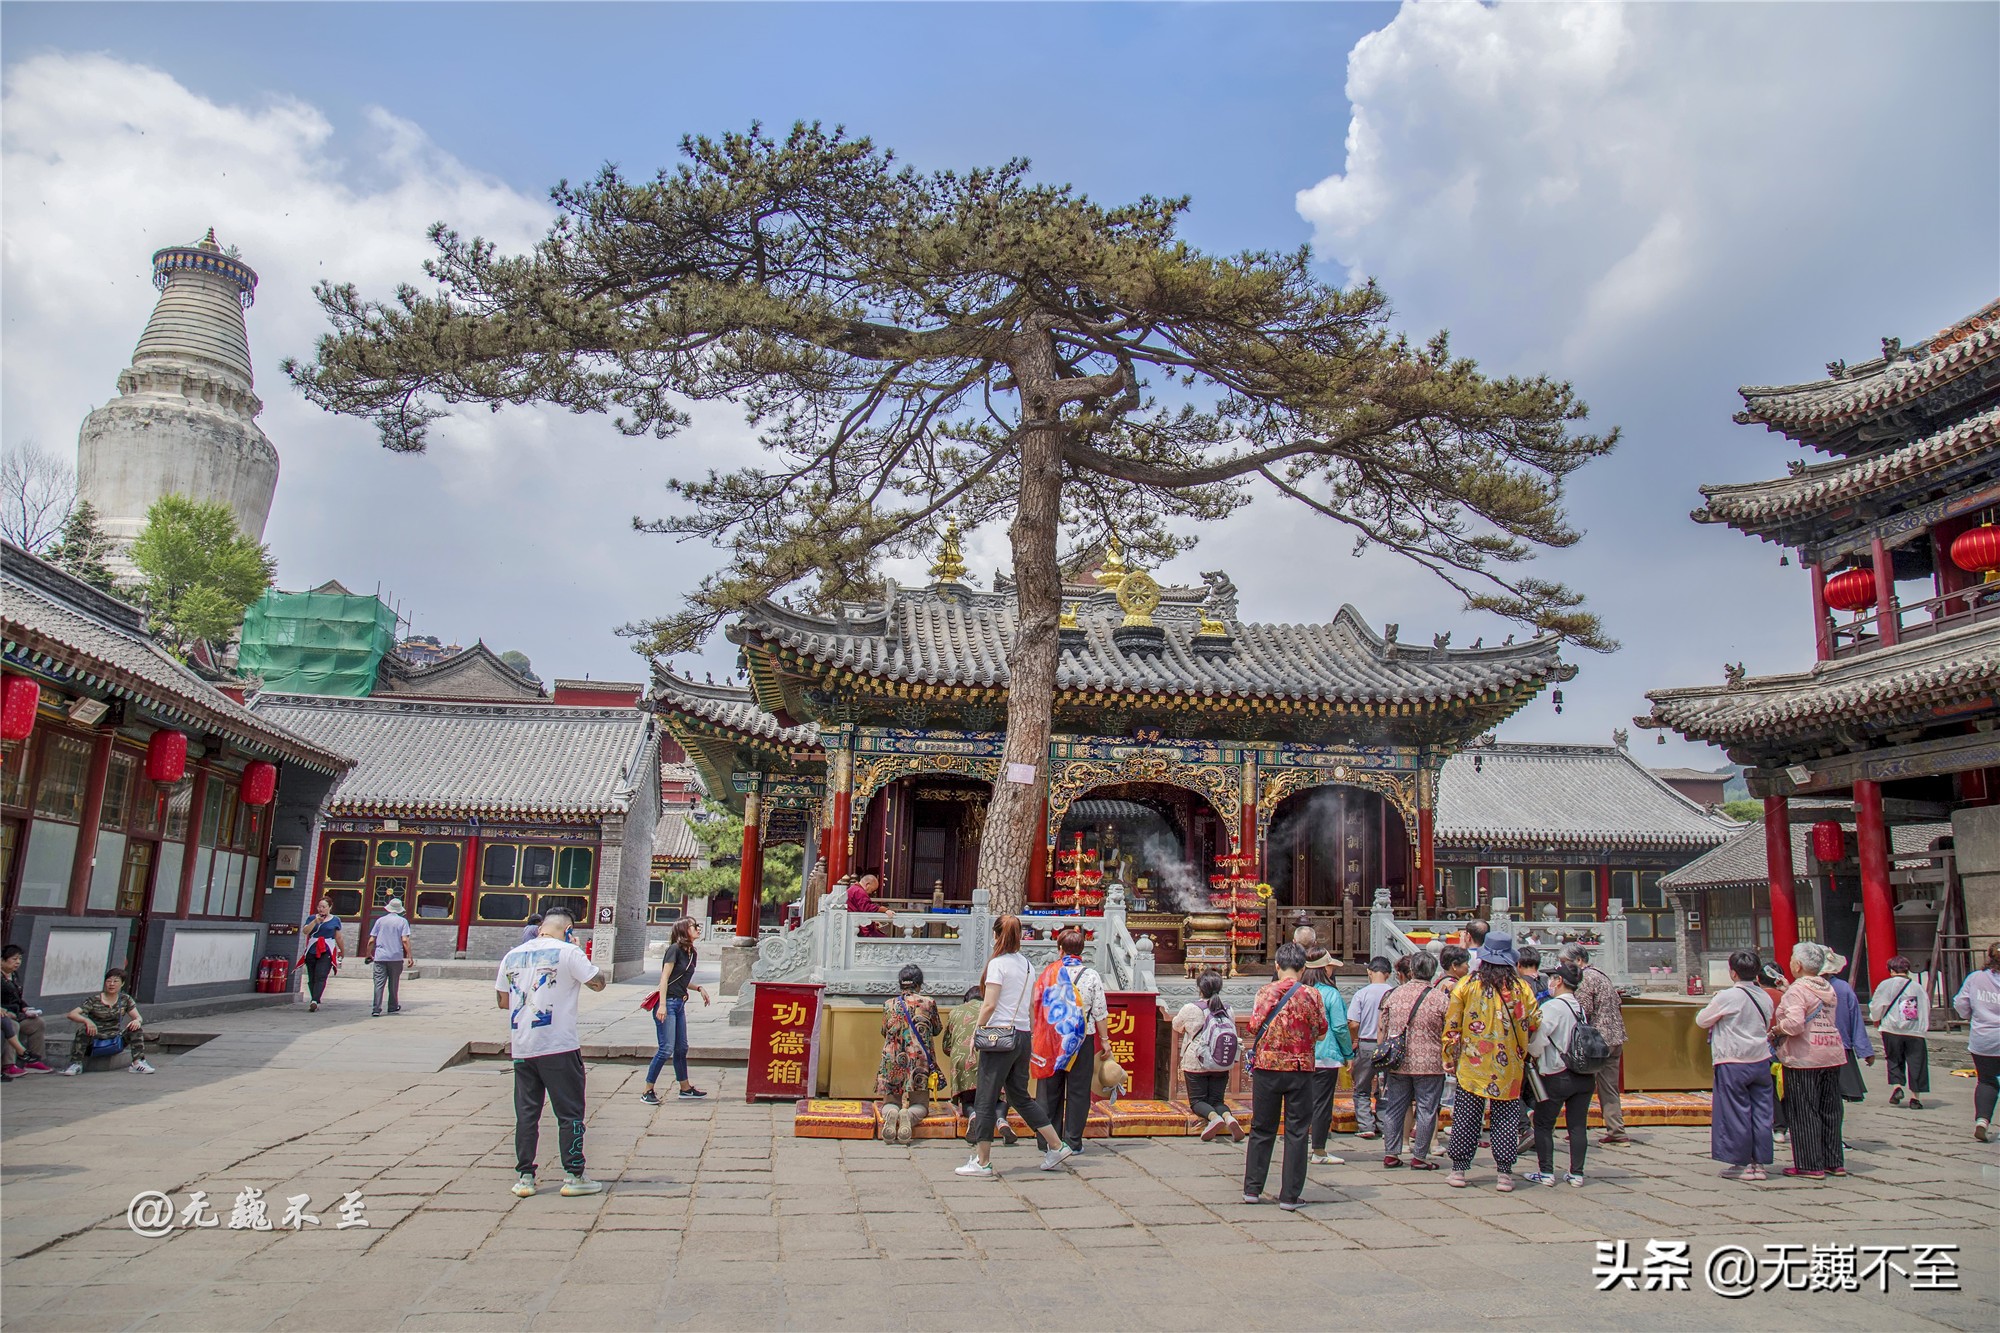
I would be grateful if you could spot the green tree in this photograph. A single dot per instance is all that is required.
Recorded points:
(721, 837)
(1743, 810)
(83, 549)
(199, 571)
(518, 660)
(976, 344)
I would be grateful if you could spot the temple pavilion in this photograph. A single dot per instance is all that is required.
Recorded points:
(1896, 531)
(1182, 736)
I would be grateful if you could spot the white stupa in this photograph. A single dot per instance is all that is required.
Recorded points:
(184, 421)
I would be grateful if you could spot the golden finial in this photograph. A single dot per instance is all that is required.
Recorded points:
(1111, 572)
(1138, 594)
(1068, 618)
(1211, 628)
(949, 567)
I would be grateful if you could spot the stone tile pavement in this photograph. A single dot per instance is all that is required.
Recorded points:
(718, 1218)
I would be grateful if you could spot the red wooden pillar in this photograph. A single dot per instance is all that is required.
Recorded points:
(1038, 867)
(1783, 878)
(1427, 861)
(1822, 624)
(465, 893)
(1885, 598)
(1603, 890)
(197, 798)
(750, 878)
(1878, 908)
(1247, 835)
(86, 829)
(843, 816)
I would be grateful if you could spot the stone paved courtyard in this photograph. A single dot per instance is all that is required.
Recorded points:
(716, 1217)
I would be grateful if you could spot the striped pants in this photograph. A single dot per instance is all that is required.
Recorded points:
(1814, 1110)
(1468, 1112)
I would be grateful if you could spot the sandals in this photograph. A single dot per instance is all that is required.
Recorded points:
(1392, 1161)
(1798, 1173)
(1419, 1164)
(1753, 1173)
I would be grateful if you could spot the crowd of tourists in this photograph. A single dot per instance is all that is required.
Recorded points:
(1514, 1042)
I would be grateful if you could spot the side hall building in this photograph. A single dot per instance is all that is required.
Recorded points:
(147, 820)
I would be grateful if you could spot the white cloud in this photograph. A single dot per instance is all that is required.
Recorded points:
(1661, 202)
(515, 526)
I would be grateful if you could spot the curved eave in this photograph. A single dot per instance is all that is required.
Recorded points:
(60, 662)
(384, 807)
(892, 685)
(1529, 839)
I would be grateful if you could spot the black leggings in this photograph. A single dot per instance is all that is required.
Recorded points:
(1569, 1095)
(1324, 1083)
(1005, 1073)
(1988, 1089)
(1206, 1091)
(318, 968)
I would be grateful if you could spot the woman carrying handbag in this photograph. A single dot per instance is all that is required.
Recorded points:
(1003, 1040)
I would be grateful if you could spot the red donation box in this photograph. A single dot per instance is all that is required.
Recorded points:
(1132, 1021)
(784, 1041)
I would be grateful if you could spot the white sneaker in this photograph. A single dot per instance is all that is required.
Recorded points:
(141, 1067)
(1056, 1156)
(974, 1167)
(73, 1071)
(573, 1186)
(524, 1185)
(1325, 1159)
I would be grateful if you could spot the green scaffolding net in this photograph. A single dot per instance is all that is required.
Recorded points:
(316, 642)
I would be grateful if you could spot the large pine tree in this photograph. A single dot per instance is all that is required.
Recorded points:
(916, 344)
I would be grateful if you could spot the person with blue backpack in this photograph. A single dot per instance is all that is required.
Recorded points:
(1070, 1014)
(1208, 1048)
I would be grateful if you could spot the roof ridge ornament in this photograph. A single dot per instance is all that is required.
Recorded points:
(1140, 596)
(1111, 572)
(949, 567)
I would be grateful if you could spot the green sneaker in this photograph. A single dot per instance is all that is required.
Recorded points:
(572, 1186)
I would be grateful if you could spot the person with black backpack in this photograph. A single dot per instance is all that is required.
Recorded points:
(1207, 1034)
(1562, 1088)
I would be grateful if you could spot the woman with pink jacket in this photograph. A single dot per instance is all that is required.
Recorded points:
(1812, 1053)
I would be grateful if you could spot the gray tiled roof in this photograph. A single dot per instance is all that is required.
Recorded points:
(70, 629)
(1568, 795)
(432, 757)
(960, 636)
(1957, 666)
(1757, 506)
(1740, 861)
(472, 673)
(673, 838)
(1826, 413)
(728, 706)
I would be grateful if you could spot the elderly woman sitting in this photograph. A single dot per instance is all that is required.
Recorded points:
(909, 1024)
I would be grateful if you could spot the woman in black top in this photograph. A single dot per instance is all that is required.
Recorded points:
(670, 1018)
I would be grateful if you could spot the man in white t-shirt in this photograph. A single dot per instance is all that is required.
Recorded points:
(388, 948)
(538, 986)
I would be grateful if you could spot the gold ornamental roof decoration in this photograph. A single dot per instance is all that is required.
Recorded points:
(1139, 595)
(1111, 573)
(949, 567)
(1068, 618)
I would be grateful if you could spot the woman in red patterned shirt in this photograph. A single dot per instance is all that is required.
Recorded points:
(1285, 1024)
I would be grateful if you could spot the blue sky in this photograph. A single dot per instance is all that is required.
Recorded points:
(1658, 202)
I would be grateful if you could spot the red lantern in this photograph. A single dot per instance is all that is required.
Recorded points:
(1977, 550)
(260, 782)
(19, 697)
(1829, 841)
(167, 756)
(1851, 590)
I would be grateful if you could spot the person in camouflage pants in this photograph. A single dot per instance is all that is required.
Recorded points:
(108, 1013)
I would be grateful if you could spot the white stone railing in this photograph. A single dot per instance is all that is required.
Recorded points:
(831, 950)
(1389, 938)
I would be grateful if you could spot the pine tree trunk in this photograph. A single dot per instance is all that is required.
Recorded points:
(1013, 820)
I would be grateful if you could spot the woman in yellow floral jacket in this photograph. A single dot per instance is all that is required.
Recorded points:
(1486, 1030)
